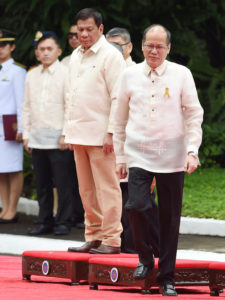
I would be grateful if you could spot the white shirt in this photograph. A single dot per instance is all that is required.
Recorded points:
(158, 118)
(43, 113)
(94, 78)
(129, 62)
(66, 60)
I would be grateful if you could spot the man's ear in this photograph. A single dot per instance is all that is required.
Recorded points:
(101, 28)
(13, 47)
(168, 49)
(59, 51)
(130, 47)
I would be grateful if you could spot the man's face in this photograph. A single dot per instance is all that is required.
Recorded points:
(73, 37)
(155, 48)
(127, 47)
(6, 52)
(88, 32)
(48, 52)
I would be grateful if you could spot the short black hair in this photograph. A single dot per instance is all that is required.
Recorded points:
(87, 13)
(73, 23)
(119, 31)
(168, 34)
(49, 36)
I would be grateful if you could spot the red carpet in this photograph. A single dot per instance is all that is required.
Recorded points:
(12, 287)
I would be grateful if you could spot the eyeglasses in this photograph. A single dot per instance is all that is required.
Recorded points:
(157, 48)
(70, 35)
(124, 44)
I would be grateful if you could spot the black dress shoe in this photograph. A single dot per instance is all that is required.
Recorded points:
(41, 229)
(10, 221)
(104, 249)
(61, 229)
(141, 272)
(167, 289)
(86, 247)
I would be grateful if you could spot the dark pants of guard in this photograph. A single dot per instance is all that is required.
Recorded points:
(77, 210)
(127, 243)
(170, 190)
(54, 165)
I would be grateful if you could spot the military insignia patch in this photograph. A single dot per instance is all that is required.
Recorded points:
(19, 64)
(5, 78)
(38, 35)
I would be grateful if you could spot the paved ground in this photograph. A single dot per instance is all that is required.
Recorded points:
(186, 241)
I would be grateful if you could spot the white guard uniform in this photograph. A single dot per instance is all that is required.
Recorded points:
(12, 80)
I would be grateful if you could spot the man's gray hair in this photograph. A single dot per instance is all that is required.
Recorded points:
(122, 32)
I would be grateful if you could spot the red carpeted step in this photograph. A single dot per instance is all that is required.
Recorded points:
(119, 271)
(216, 277)
(64, 255)
(72, 255)
(12, 287)
(61, 264)
(133, 261)
(217, 265)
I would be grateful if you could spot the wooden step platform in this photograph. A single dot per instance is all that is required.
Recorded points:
(216, 277)
(60, 264)
(118, 269)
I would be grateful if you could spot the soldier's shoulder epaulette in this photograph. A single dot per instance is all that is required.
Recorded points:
(19, 64)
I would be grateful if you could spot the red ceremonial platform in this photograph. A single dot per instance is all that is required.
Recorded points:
(117, 270)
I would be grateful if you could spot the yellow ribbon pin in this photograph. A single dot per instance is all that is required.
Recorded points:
(166, 93)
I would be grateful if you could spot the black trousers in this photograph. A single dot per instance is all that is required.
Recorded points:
(127, 243)
(170, 191)
(54, 165)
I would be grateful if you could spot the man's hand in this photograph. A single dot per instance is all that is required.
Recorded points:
(71, 147)
(25, 144)
(191, 164)
(108, 143)
(19, 137)
(121, 170)
(62, 145)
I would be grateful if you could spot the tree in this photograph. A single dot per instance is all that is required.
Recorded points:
(198, 41)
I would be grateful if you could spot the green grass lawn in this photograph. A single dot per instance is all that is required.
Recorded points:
(204, 194)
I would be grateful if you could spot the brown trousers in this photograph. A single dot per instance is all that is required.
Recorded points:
(100, 193)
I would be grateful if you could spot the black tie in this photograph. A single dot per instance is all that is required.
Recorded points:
(0, 67)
